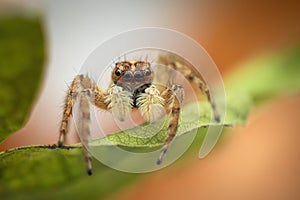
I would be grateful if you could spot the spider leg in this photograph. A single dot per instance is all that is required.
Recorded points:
(84, 126)
(204, 89)
(174, 97)
(86, 91)
(69, 103)
(180, 65)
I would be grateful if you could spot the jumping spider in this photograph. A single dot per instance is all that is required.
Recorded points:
(131, 87)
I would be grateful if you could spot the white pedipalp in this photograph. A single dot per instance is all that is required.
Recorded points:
(119, 102)
(151, 104)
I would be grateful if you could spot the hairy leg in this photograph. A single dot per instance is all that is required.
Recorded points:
(69, 103)
(174, 62)
(84, 90)
(174, 98)
(84, 126)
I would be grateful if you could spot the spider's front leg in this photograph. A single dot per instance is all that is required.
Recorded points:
(151, 105)
(173, 99)
(84, 90)
(69, 103)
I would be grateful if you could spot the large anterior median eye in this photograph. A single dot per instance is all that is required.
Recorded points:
(138, 76)
(127, 76)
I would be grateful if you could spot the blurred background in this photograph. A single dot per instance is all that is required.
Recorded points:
(256, 161)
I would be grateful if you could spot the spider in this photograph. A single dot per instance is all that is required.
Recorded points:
(131, 87)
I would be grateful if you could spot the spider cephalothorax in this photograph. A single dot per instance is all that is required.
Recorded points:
(132, 86)
(131, 75)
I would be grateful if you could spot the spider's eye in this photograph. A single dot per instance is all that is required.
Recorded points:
(138, 76)
(118, 72)
(126, 67)
(127, 76)
(147, 72)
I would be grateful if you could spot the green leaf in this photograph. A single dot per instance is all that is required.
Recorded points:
(236, 113)
(46, 172)
(268, 75)
(21, 64)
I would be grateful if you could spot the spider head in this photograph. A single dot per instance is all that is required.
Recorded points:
(132, 74)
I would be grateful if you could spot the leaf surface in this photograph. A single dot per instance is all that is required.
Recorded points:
(21, 66)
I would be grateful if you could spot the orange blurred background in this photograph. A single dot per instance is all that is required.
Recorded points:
(258, 161)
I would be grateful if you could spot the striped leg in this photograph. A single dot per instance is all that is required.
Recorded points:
(180, 65)
(174, 98)
(205, 90)
(84, 126)
(69, 103)
(84, 90)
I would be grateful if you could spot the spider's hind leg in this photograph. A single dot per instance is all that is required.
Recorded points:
(175, 63)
